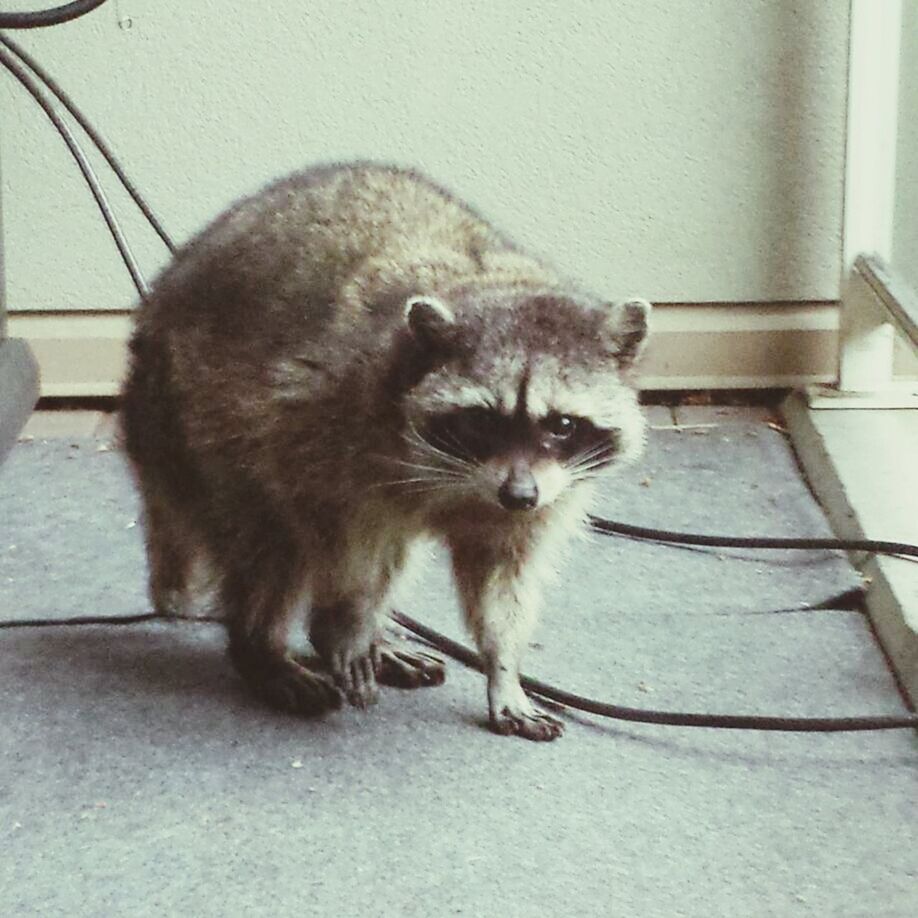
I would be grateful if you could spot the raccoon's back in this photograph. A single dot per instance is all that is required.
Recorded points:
(284, 258)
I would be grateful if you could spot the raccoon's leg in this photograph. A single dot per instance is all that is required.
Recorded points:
(260, 591)
(500, 603)
(347, 634)
(351, 586)
(173, 551)
(384, 662)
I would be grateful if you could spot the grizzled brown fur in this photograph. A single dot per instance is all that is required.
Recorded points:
(342, 363)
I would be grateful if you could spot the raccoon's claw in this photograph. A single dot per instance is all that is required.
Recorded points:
(408, 669)
(513, 714)
(532, 725)
(356, 678)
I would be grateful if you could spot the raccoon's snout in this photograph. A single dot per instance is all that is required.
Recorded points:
(519, 490)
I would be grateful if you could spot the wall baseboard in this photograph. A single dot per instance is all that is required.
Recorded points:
(693, 346)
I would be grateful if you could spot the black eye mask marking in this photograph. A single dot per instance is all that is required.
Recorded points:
(575, 440)
(477, 434)
(470, 433)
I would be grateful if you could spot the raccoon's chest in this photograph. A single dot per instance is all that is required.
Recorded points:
(369, 539)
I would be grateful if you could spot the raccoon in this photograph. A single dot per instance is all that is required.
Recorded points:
(348, 361)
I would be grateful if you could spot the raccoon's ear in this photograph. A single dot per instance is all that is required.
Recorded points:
(431, 322)
(625, 329)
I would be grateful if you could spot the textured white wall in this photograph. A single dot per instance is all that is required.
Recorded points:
(905, 221)
(686, 150)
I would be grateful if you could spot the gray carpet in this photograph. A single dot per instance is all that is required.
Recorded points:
(137, 778)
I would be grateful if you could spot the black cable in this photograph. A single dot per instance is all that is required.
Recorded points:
(671, 718)
(127, 256)
(94, 136)
(611, 527)
(548, 692)
(81, 620)
(55, 16)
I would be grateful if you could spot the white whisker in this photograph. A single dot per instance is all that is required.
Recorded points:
(590, 454)
(417, 466)
(414, 437)
(446, 479)
(587, 467)
(450, 486)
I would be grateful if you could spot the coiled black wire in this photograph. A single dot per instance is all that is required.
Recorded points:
(93, 135)
(874, 546)
(55, 16)
(76, 151)
(538, 689)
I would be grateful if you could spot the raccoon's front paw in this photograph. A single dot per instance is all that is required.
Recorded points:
(355, 675)
(531, 725)
(513, 714)
(404, 668)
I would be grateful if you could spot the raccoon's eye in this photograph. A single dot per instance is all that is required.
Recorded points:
(560, 426)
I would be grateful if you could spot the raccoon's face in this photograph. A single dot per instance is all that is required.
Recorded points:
(527, 400)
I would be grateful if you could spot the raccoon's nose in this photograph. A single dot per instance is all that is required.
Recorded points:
(519, 491)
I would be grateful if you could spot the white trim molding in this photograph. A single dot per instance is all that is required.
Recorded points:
(872, 125)
(692, 346)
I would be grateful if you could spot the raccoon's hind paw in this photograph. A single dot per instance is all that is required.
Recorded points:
(171, 603)
(531, 724)
(402, 668)
(289, 686)
(182, 604)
